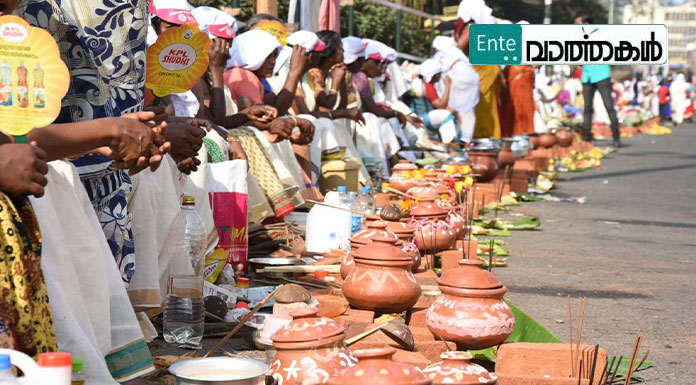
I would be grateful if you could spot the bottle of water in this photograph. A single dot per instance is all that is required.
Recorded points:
(342, 195)
(184, 309)
(7, 377)
(355, 219)
(365, 201)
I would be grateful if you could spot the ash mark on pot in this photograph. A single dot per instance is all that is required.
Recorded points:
(552, 291)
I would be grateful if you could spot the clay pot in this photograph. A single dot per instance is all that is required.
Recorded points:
(401, 184)
(458, 224)
(412, 251)
(505, 158)
(423, 193)
(310, 348)
(382, 280)
(456, 368)
(547, 140)
(565, 138)
(403, 165)
(484, 164)
(347, 266)
(535, 140)
(374, 228)
(470, 311)
(405, 234)
(376, 367)
(434, 236)
(428, 208)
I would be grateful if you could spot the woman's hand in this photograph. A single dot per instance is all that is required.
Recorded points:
(282, 128)
(138, 142)
(22, 169)
(218, 55)
(413, 120)
(186, 138)
(355, 115)
(447, 81)
(297, 60)
(260, 114)
(306, 133)
(338, 72)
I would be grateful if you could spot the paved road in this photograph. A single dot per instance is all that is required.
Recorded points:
(631, 250)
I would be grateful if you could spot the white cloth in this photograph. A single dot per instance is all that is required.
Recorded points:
(250, 49)
(173, 11)
(91, 312)
(476, 11)
(464, 94)
(185, 104)
(430, 68)
(353, 49)
(379, 51)
(309, 40)
(678, 98)
(397, 85)
(215, 22)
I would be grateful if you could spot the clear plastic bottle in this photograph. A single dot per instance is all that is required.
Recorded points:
(184, 309)
(355, 219)
(365, 201)
(342, 195)
(7, 377)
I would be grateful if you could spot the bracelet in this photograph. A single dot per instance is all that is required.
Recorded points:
(294, 119)
(233, 139)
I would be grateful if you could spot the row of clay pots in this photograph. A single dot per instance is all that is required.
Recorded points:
(311, 350)
(563, 137)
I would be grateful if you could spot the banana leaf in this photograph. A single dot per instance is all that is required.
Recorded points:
(526, 197)
(498, 233)
(526, 223)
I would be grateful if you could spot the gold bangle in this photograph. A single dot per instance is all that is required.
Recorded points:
(294, 119)
(233, 139)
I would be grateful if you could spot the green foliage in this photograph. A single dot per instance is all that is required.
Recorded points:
(377, 22)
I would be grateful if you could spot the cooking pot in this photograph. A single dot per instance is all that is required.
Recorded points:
(219, 371)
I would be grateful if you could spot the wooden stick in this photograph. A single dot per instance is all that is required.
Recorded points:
(241, 323)
(581, 321)
(579, 374)
(636, 347)
(605, 373)
(300, 269)
(397, 192)
(594, 364)
(570, 329)
(358, 337)
(333, 207)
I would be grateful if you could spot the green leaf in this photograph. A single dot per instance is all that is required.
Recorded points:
(623, 366)
(499, 233)
(530, 197)
(526, 223)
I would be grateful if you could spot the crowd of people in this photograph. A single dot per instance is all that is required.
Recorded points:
(85, 206)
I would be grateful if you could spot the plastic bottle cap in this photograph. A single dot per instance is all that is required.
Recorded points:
(321, 274)
(352, 194)
(77, 366)
(242, 305)
(5, 362)
(188, 200)
(242, 280)
(55, 360)
(365, 190)
(341, 189)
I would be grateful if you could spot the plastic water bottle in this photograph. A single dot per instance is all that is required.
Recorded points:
(342, 195)
(365, 201)
(184, 310)
(7, 377)
(328, 228)
(54, 369)
(355, 219)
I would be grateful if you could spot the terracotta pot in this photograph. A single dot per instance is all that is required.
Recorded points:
(535, 140)
(428, 208)
(456, 368)
(505, 158)
(402, 184)
(547, 140)
(412, 251)
(565, 138)
(458, 224)
(423, 193)
(310, 348)
(374, 228)
(376, 367)
(347, 266)
(434, 236)
(484, 164)
(382, 280)
(470, 311)
(405, 234)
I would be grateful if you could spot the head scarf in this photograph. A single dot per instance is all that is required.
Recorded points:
(215, 22)
(476, 11)
(251, 49)
(379, 51)
(173, 11)
(442, 43)
(309, 40)
(353, 49)
(447, 51)
(523, 22)
(429, 69)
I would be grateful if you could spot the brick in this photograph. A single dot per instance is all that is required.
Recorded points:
(418, 317)
(355, 315)
(507, 379)
(428, 295)
(432, 350)
(414, 358)
(542, 360)
(450, 259)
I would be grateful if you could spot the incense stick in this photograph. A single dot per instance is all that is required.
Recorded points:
(613, 372)
(636, 347)
(570, 329)
(594, 364)
(605, 372)
(579, 375)
(581, 321)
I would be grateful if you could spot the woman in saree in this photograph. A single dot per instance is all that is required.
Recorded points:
(519, 98)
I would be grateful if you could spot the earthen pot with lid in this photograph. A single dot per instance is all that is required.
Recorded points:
(401, 184)
(505, 158)
(364, 237)
(565, 137)
(423, 193)
(310, 348)
(403, 165)
(428, 208)
(535, 141)
(434, 235)
(382, 280)
(456, 368)
(470, 311)
(405, 233)
(375, 366)
(547, 140)
(483, 164)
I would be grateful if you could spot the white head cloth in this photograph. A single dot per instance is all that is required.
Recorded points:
(250, 49)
